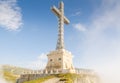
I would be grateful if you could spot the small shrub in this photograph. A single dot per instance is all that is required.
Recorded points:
(59, 75)
(64, 79)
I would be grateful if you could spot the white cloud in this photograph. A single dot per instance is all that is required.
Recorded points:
(39, 63)
(102, 44)
(79, 27)
(78, 13)
(10, 15)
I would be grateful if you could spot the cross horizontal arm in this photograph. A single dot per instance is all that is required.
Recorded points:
(66, 21)
(57, 12)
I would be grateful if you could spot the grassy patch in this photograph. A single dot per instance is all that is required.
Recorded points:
(10, 77)
(68, 78)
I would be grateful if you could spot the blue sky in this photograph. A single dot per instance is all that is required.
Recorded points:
(28, 31)
(36, 31)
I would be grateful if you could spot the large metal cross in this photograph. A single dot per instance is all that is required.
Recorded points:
(62, 19)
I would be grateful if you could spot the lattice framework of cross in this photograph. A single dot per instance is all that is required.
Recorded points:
(59, 12)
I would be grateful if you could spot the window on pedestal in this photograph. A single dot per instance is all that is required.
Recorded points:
(51, 60)
(59, 59)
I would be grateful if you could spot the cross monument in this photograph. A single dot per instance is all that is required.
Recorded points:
(62, 19)
(60, 60)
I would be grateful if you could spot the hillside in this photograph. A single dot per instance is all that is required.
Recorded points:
(13, 69)
(12, 73)
(10, 77)
(67, 78)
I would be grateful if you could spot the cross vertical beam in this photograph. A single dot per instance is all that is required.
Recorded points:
(62, 19)
(60, 42)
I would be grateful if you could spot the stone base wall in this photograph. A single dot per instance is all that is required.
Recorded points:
(60, 60)
(38, 74)
(29, 77)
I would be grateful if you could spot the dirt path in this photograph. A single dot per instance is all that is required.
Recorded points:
(53, 80)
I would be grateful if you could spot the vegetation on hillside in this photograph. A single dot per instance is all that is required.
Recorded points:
(11, 73)
(67, 78)
(15, 70)
(10, 77)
